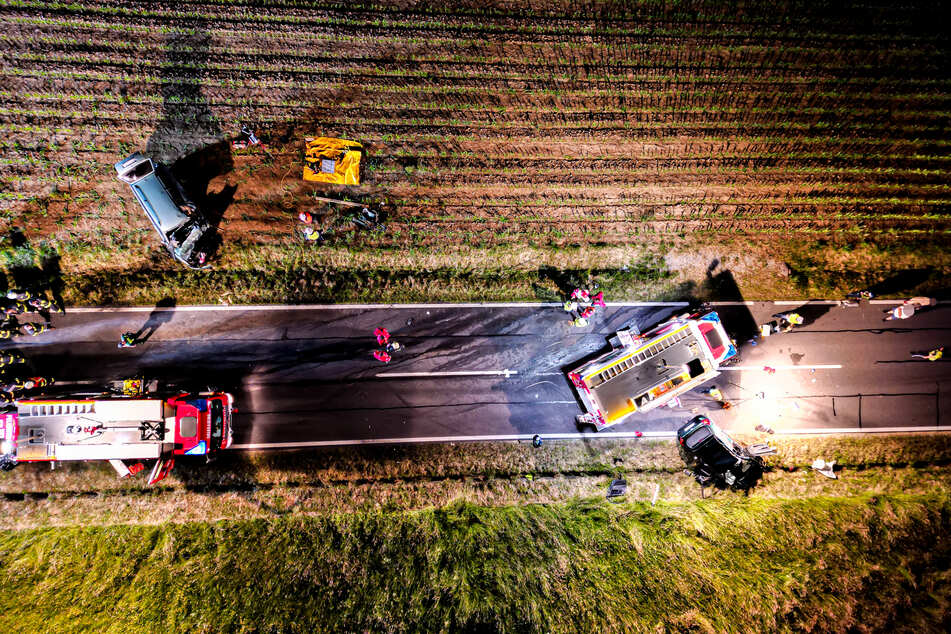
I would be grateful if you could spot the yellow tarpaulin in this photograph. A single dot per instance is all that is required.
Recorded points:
(334, 161)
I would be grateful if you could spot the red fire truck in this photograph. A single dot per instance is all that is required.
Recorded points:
(126, 427)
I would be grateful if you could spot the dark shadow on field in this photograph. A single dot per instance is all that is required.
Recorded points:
(555, 284)
(196, 171)
(162, 314)
(907, 282)
(187, 124)
(563, 280)
(807, 272)
(30, 268)
(189, 136)
(721, 286)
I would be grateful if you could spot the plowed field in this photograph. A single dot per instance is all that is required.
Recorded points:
(503, 137)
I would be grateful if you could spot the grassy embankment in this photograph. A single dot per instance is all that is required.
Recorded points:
(292, 275)
(483, 538)
(753, 565)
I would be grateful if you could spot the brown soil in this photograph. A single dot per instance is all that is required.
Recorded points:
(485, 132)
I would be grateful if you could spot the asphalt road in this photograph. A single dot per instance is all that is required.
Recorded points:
(305, 375)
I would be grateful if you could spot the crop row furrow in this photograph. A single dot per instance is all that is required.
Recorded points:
(617, 66)
(192, 70)
(192, 97)
(660, 95)
(422, 24)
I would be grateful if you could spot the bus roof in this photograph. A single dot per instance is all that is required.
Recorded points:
(644, 375)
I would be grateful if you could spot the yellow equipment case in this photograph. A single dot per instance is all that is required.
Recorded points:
(333, 161)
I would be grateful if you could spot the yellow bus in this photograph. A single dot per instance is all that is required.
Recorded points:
(643, 372)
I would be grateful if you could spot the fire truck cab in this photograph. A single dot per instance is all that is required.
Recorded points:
(117, 428)
(645, 371)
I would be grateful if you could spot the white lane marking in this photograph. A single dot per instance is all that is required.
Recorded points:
(403, 375)
(564, 436)
(864, 430)
(735, 303)
(734, 368)
(258, 307)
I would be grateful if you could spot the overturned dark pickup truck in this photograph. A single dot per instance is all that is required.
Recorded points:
(714, 458)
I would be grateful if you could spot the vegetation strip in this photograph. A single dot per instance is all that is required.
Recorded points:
(772, 564)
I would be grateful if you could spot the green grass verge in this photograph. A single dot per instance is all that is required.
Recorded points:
(405, 463)
(868, 563)
(84, 275)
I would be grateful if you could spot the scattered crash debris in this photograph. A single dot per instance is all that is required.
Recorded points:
(249, 140)
(362, 217)
(332, 161)
(825, 468)
(617, 488)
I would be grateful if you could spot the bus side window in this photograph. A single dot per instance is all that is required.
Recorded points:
(695, 367)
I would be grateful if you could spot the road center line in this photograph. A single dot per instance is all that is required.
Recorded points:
(734, 368)
(404, 375)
